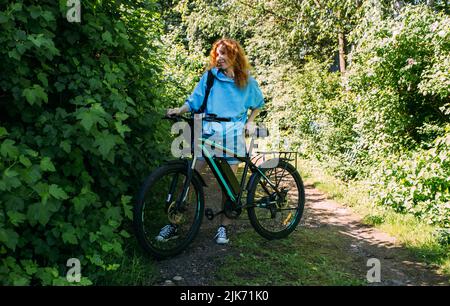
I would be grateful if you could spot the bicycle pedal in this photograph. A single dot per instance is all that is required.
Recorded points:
(209, 214)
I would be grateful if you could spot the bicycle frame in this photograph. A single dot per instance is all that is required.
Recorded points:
(268, 192)
(210, 160)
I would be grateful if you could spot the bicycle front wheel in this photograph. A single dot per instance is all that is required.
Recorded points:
(275, 215)
(158, 205)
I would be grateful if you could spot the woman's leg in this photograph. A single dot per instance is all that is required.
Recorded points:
(223, 219)
(200, 165)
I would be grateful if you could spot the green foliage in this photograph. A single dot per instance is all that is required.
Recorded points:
(319, 118)
(81, 102)
(387, 115)
(400, 74)
(418, 183)
(394, 70)
(78, 132)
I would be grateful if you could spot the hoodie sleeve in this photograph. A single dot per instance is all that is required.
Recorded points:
(195, 100)
(256, 98)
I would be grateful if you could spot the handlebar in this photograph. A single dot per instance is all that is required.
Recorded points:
(213, 117)
(259, 132)
(206, 117)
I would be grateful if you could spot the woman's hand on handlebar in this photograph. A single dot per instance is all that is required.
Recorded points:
(249, 128)
(173, 112)
(177, 111)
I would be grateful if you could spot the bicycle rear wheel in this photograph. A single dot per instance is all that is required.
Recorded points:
(272, 215)
(157, 207)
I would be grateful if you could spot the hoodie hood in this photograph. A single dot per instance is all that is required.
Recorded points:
(220, 75)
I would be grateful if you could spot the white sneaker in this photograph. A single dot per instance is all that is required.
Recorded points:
(221, 236)
(167, 232)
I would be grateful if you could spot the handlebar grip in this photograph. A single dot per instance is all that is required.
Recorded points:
(173, 117)
(222, 119)
(213, 117)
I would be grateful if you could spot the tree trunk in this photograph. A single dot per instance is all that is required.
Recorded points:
(341, 38)
(430, 3)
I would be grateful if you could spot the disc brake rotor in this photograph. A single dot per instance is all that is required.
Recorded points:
(174, 215)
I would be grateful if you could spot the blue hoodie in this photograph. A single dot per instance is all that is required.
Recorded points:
(226, 100)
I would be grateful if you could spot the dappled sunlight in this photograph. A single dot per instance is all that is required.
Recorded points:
(368, 242)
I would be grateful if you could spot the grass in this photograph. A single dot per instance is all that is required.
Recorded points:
(306, 257)
(414, 234)
(136, 269)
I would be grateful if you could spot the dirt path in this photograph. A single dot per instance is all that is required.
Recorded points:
(397, 266)
(197, 265)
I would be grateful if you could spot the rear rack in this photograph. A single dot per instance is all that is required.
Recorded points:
(262, 156)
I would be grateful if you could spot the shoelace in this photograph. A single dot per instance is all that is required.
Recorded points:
(221, 233)
(167, 230)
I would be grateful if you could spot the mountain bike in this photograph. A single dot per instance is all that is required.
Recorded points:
(173, 193)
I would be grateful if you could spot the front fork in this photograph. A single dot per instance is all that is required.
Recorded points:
(187, 182)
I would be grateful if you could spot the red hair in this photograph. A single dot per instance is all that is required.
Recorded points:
(237, 58)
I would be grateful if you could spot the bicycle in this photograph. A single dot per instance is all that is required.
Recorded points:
(173, 193)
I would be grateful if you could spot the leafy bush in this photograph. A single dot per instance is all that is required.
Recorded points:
(319, 119)
(418, 183)
(78, 132)
(400, 74)
(387, 115)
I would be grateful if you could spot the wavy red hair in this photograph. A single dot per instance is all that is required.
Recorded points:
(237, 58)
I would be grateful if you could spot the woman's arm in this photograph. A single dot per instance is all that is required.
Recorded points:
(250, 125)
(178, 111)
(253, 114)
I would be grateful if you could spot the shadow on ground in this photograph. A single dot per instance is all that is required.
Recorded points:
(329, 236)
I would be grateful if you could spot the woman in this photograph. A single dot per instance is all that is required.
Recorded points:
(233, 93)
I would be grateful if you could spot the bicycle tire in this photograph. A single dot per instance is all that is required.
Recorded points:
(140, 218)
(252, 210)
